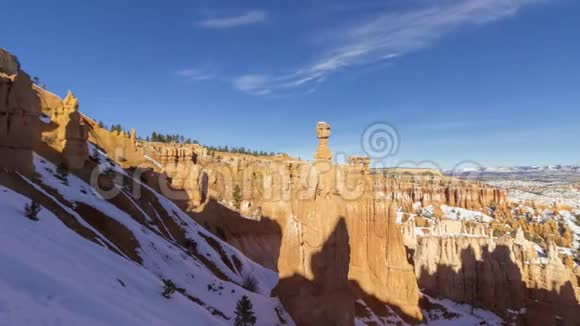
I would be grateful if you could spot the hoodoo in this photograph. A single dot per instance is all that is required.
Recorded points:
(323, 133)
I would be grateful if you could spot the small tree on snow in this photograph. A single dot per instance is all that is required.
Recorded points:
(245, 313)
(168, 288)
(62, 173)
(31, 210)
(250, 283)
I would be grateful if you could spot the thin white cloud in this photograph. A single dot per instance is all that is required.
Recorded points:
(248, 18)
(195, 74)
(253, 84)
(387, 36)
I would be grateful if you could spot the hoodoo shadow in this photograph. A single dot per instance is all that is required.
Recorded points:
(494, 282)
(330, 297)
(259, 240)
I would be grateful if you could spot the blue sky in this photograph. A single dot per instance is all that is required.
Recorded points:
(496, 82)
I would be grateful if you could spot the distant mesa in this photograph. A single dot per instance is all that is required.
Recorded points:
(411, 171)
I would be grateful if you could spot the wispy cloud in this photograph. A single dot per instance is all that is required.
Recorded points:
(195, 74)
(247, 18)
(253, 84)
(384, 37)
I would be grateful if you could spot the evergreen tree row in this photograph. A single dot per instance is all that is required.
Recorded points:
(180, 139)
(114, 127)
(117, 127)
(238, 150)
(161, 138)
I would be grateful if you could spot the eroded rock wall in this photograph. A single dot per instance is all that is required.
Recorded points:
(310, 201)
(500, 275)
(341, 248)
(66, 132)
(19, 116)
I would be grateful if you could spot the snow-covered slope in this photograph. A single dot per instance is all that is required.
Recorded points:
(525, 169)
(116, 279)
(436, 312)
(52, 276)
(547, 172)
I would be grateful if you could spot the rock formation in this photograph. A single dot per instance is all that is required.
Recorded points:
(179, 165)
(74, 135)
(66, 132)
(499, 275)
(363, 244)
(362, 161)
(331, 216)
(323, 133)
(339, 241)
(9, 64)
(19, 116)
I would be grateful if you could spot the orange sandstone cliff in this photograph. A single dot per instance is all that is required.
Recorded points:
(19, 116)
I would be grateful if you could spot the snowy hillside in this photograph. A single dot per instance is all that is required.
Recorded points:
(526, 169)
(546, 173)
(88, 261)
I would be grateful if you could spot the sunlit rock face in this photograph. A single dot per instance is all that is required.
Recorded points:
(323, 133)
(339, 238)
(343, 247)
(65, 129)
(19, 116)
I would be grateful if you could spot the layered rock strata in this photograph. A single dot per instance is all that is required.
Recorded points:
(19, 116)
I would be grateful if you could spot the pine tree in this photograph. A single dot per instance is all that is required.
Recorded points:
(168, 288)
(62, 173)
(31, 210)
(245, 313)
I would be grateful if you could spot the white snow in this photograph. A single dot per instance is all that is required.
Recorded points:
(467, 314)
(457, 213)
(52, 276)
(66, 279)
(104, 162)
(562, 192)
(45, 119)
(570, 219)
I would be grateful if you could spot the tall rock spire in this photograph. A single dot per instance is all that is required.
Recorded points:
(323, 133)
